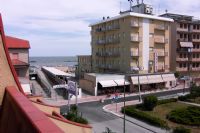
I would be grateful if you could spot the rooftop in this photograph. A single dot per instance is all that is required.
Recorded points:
(13, 42)
(134, 15)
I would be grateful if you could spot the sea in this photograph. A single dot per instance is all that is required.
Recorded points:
(61, 61)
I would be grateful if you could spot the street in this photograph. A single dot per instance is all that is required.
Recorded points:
(99, 119)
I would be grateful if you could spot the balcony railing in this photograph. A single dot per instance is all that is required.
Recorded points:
(134, 53)
(160, 27)
(113, 27)
(182, 29)
(195, 30)
(160, 39)
(100, 42)
(183, 69)
(196, 59)
(196, 50)
(108, 54)
(135, 38)
(113, 41)
(161, 53)
(196, 40)
(181, 59)
(134, 24)
(196, 69)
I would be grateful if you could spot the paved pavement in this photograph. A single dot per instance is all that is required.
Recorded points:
(101, 119)
(115, 109)
(194, 104)
(37, 89)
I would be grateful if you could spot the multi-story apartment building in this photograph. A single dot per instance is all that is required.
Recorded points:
(84, 65)
(131, 42)
(136, 41)
(19, 54)
(185, 45)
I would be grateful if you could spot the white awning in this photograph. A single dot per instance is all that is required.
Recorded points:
(120, 82)
(143, 80)
(108, 83)
(168, 77)
(26, 88)
(186, 44)
(134, 80)
(155, 79)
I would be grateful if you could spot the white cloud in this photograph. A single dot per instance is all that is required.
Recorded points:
(63, 24)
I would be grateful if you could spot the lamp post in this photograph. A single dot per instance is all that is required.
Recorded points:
(124, 109)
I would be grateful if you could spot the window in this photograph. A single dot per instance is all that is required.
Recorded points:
(180, 55)
(197, 55)
(194, 36)
(193, 65)
(185, 26)
(181, 25)
(198, 27)
(197, 36)
(193, 55)
(184, 65)
(180, 65)
(15, 55)
(181, 35)
(197, 45)
(185, 35)
(194, 26)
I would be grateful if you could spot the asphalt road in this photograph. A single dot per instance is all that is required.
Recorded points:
(99, 119)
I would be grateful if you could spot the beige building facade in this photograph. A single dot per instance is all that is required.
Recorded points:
(131, 42)
(84, 65)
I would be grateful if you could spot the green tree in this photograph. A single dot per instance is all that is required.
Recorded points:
(150, 102)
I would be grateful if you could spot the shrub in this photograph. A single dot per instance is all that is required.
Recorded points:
(177, 74)
(187, 116)
(132, 112)
(150, 102)
(165, 101)
(181, 130)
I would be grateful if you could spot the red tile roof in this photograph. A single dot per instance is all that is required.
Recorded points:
(13, 42)
(17, 62)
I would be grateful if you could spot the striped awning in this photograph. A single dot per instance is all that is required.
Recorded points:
(186, 44)
(168, 77)
(155, 79)
(108, 83)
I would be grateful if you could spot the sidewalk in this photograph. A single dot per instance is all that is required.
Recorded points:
(104, 97)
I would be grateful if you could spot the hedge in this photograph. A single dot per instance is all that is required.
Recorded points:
(186, 116)
(132, 112)
(165, 101)
(181, 130)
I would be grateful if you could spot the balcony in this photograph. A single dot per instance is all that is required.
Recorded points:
(100, 42)
(161, 67)
(182, 29)
(113, 27)
(113, 41)
(134, 53)
(135, 38)
(134, 24)
(196, 40)
(195, 50)
(160, 27)
(196, 69)
(183, 69)
(181, 59)
(196, 30)
(161, 53)
(160, 39)
(102, 29)
(196, 59)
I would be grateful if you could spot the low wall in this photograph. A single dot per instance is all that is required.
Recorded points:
(87, 86)
(18, 115)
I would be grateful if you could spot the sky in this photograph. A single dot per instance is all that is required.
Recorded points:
(61, 27)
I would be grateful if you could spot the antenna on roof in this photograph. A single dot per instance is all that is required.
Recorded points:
(131, 1)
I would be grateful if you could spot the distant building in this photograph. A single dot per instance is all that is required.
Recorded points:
(130, 42)
(19, 54)
(185, 45)
(134, 45)
(84, 65)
